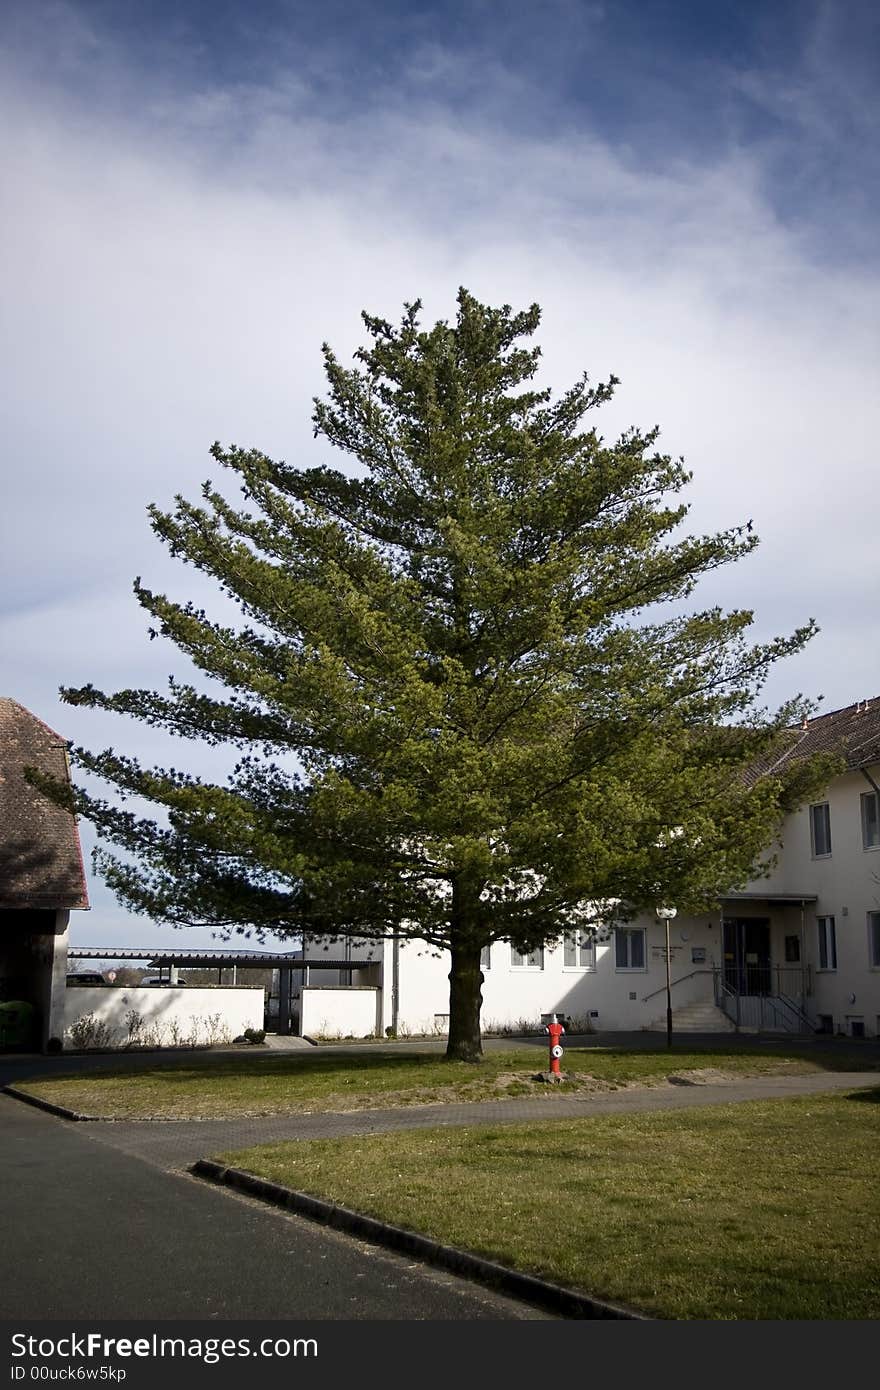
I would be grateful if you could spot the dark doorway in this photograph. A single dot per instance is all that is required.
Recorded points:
(747, 955)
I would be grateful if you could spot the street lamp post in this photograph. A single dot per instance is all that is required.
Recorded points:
(665, 915)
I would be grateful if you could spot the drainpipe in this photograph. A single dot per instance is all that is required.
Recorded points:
(395, 983)
(737, 960)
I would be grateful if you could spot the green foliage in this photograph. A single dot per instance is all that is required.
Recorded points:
(454, 641)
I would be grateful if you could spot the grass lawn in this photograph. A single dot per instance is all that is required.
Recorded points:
(224, 1086)
(764, 1209)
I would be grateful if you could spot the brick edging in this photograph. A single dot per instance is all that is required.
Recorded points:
(528, 1287)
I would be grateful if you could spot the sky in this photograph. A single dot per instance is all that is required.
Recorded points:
(196, 195)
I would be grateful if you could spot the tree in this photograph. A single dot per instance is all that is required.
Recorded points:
(493, 736)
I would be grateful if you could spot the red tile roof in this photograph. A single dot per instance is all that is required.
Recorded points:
(40, 857)
(853, 733)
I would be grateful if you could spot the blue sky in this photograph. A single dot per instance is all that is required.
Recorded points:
(794, 81)
(196, 195)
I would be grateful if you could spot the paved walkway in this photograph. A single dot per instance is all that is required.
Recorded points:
(175, 1144)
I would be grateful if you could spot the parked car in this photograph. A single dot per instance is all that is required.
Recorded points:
(155, 980)
(86, 977)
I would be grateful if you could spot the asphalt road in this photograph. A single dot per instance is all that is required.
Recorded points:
(91, 1231)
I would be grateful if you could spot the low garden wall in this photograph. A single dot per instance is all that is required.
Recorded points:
(338, 1011)
(159, 1015)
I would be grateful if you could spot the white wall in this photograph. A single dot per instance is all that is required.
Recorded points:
(328, 1011)
(518, 994)
(847, 885)
(168, 1015)
(53, 1015)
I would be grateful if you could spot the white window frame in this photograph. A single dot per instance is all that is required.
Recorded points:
(584, 945)
(820, 806)
(826, 931)
(629, 933)
(533, 961)
(874, 940)
(866, 799)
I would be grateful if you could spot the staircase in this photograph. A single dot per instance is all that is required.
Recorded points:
(705, 1017)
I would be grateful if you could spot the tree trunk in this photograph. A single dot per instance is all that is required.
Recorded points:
(465, 998)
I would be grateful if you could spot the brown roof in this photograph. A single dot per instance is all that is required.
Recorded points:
(40, 857)
(853, 733)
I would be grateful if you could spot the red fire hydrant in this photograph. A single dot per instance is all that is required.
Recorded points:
(555, 1030)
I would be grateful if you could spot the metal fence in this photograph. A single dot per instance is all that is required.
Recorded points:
(770, 998)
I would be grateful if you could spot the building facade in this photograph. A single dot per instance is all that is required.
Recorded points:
(798, 951)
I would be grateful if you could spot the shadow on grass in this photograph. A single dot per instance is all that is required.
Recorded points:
(867, 1097)
(825, 1056)
(434, 1065)
(262, 1066)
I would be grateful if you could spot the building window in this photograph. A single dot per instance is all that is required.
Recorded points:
(870, 820)
(528, 960)
(820, 830)
(874, 940)
(578, 951)
(629, 948)
(827, 943)
(792, 950)
(485, 957)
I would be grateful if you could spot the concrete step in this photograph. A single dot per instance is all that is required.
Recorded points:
(695, 1018)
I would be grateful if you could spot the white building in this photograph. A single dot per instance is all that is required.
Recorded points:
(798, 951)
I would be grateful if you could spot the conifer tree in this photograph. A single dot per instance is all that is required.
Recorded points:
(461, 715)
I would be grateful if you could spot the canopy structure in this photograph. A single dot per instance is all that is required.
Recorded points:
(254, 960)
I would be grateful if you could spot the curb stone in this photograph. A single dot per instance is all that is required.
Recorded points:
(528, 1287)
(41, 1104)
(64, 1113)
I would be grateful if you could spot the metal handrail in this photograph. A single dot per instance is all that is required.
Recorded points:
(722, 992)
(781, 1006)
(799, 1013)
(679, 981)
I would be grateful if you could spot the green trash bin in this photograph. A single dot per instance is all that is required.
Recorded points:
(17, 1019)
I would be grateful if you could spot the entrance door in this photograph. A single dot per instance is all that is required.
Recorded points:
(747, 955)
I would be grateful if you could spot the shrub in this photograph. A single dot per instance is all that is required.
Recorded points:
(89, 1031)
(134, 1022)
(154, 1036)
